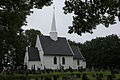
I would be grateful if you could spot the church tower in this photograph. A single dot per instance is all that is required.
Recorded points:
(53, 33)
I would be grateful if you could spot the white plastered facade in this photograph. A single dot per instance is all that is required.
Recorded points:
(47, 61)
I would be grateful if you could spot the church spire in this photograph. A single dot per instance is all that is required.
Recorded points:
(53, 27)
(53, 33)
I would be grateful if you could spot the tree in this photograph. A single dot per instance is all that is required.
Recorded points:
(72, 43)
(20, 44)
(32, 36)
(13, 14)
(90, 13)
(102, 52)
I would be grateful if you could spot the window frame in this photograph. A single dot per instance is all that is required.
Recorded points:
(78, 62)
(63, 60)
(55, 60)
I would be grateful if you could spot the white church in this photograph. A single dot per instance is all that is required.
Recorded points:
(53, 52)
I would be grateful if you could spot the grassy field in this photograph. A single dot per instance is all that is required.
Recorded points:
(61, 75)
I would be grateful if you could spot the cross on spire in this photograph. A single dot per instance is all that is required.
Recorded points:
(53, 7)
(53, 10)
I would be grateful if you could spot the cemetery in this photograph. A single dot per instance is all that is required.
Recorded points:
(59, 75)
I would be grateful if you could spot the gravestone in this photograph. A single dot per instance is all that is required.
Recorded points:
(99, 77)
(41, 78)
(36, 79)
(94, 75)
(109, 77)
(47, 78)
(55, 77)
(78, 75)
(84, 77)
(74, 77)
(64, 78)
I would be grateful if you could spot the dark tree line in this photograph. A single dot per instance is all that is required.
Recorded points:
(102, 52)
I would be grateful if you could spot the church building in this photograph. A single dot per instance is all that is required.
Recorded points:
(53, 52)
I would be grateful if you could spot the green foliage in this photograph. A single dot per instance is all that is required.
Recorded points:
(20, 49)
(102, 52)
(32, 36)
(13, 14)
(90, 13)
(61, 74)
(72, 43)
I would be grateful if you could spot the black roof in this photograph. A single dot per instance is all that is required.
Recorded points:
(59, 47)
(33, 54)
(77, 53)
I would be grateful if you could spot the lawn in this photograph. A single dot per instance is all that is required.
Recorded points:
(60, 74)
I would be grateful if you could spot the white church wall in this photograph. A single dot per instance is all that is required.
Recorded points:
(26, 57)
(81, 64)
(40, 49)
(75, 64)
(68, 62)
(48, 62)
(31, 64)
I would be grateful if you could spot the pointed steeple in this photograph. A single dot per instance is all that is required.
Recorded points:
(53, 27)
(53, 33)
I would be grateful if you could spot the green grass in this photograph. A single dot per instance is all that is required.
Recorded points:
(61, 74)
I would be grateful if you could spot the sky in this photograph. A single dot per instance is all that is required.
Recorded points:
(41, 19)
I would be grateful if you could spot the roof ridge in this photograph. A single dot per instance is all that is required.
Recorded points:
(49, 36)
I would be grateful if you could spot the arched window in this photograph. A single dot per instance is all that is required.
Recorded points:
(63, 60)
(55, 60)
(77, 62)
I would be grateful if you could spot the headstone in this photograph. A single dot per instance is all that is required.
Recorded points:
(109, 77)
(47, 78)
(78, 75)
(64, 78)
(94, 75)
(41, 78)
(55, 77)
(36, 79)
(74, 77)
(84, 77)
(99, 77)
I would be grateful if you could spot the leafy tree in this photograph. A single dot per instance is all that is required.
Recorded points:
(72, 43)
(32, 36)
(13, 15)
(102, 52)
(20, 49)
(90, 13)
(14, 53)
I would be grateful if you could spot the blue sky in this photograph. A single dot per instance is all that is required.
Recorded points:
(41, 20)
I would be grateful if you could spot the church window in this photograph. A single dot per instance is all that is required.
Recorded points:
(77, 62)
(55, 60)
(63, 60)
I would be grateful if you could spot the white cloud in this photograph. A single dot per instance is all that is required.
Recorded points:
(41, 19)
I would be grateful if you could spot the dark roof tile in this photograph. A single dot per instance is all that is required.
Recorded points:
(33, 54)
(59, 47)
(77, 53)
